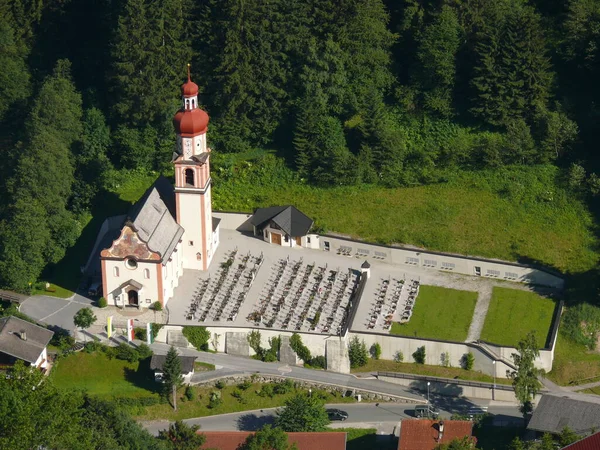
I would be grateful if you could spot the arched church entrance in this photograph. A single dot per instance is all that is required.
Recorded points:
(132, 297)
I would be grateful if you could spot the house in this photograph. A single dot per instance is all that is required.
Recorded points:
(420, 434)
(22, 340)
(554, 412)
(232, 440)
(187, 366)
(285, 226)
(589, 443)
(141, 255)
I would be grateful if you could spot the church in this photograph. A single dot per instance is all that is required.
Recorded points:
(144, 253)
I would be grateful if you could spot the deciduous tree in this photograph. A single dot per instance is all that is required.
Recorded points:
(525, 378)
(302, 413)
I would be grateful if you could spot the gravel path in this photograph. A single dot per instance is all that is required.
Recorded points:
(481, 308)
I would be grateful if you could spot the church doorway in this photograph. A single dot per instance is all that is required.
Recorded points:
(276, 238)
(132, 297)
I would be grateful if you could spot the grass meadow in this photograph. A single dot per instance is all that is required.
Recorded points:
(439, 313)
(574, 363)
(514, 313)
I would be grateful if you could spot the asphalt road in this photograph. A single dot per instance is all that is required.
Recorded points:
(384, 417)
(54, 311)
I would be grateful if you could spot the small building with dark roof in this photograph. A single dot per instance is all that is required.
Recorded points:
(284, 225)
(25, 341)
(581, 413)
(187, 366)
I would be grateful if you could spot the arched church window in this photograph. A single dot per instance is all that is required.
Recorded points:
(187, 104)
(189, 177)
(198, 256)
(193, 103)
(116, 271)
(146, 273)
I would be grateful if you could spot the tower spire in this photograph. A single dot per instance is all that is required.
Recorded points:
(189, 77)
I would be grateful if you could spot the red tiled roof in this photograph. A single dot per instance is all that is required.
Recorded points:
(589, 443)
(230, 440)
(419, 434)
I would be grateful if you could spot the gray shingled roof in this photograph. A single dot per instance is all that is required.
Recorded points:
(187, 363)
(11, 343)
(153, 217)
(292, 221)
(554, 413)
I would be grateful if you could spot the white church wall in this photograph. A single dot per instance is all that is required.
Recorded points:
(189, 219)
(149, 290)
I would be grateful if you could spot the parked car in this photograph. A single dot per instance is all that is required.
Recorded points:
(337, 414)
(427, 411)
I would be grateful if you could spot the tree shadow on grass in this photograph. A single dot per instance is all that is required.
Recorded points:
(253, 422)
(143, 377)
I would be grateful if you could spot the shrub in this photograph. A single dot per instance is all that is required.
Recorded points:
(299, 348)
(110, 352)
(102, 303)
(144, 351)
(244, 385)
(127, 353)
(318, 362)
(215, 399)
(254, 339)
(140, 333)
(419, 355)
(92, 346)
(283, 387)
(157, 306)
(357, 352)
(468, 360)
(197, 336)
(445, 359)
(190, 394)
(220, 384)
(399, 356)
(268, 390)
(62, 339)
(375, 350)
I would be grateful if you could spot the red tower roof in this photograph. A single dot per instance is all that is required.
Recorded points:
(189, 88)
(190, 121)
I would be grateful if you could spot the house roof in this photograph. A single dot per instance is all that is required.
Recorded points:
(553, 413)
(589, 443)
(11, 343)
(187, 362)
(420, 434)
(294, 222)
(231, 440)
(153, 218)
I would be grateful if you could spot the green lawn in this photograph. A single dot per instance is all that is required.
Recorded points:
(573, 363)
(514, 313)
(594, 391)
(440, 313)
(104, 377)
(250, 401)
(383, 365)
(504, 213)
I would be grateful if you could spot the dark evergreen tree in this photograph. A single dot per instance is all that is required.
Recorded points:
(437, 51)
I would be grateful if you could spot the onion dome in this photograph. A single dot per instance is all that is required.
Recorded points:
(189, 88)
(190, 121)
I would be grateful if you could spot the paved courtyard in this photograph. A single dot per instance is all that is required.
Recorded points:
(255, 284)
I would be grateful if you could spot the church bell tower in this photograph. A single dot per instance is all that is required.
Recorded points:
(193, 182)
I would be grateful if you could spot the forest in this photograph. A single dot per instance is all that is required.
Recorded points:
(345, 96)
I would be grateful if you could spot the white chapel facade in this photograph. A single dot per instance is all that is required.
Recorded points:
(171, 228)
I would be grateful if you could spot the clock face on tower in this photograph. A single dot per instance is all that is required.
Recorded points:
(187, 148)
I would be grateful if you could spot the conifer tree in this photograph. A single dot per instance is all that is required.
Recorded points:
(438, 46)
(172, 378)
